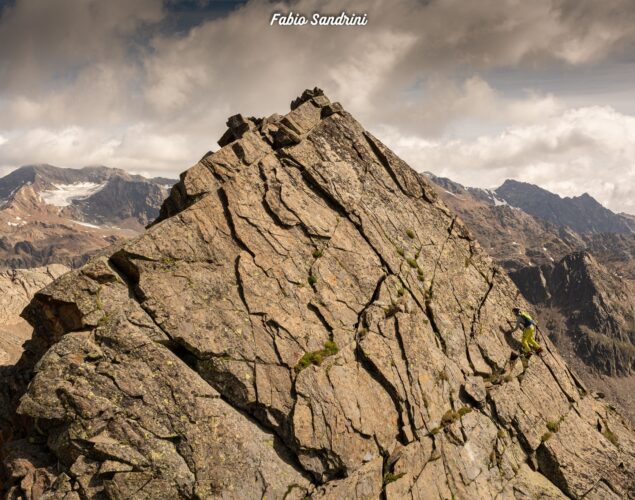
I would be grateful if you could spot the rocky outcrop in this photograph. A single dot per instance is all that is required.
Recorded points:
(17, 288)
(615, 251)
(305, 319)
(580, 285)
(598, 309)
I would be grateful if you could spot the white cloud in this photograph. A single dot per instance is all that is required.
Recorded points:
(590, 149)
(82, 82)
(136, 148)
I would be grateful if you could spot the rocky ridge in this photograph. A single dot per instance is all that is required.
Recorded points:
(581, 213)
(597, 306)
(513, 237)
(580, 285)
(305, 313)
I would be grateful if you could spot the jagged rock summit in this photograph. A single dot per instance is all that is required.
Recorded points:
(304, 319)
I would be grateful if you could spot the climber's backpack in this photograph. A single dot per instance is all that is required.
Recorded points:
(527, 320)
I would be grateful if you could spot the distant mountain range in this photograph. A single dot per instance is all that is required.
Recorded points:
(50, 214)
(574, 260)
(581, 213)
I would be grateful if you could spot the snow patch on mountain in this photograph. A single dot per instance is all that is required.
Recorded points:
(64, 194)
(497, 201)
(86, 224)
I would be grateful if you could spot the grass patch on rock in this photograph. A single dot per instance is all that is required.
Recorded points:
(316, 357)
(391, 477)
(610, 435)
(554, 425)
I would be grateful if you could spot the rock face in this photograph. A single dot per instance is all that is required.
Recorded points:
(580, 285)
(305, 319)
(17, 288)
(62, 215)
(615, 251)
(581, 213)
(598, 307)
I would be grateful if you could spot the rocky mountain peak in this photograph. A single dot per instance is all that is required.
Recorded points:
(305, 318)
(583, 213)
(59, 215)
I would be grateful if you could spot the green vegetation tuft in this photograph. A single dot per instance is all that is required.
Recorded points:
(316, 357)
(312, 279)
(448, 417)
(391, 310)
(317, 253)
(401, 251)
(412, 263)
(390, 477)
(553, 426)
(464, 410)
(546, 436)
(410, 233)
(610, 435)
(103, 320)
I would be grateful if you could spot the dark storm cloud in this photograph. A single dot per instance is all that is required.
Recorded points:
(147, 85)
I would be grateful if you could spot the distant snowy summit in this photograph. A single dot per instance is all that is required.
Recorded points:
(60, 215)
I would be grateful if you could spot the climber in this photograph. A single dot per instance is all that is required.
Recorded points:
(528, 325)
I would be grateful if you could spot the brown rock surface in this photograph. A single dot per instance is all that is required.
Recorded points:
(303, 319)
(17, 288)
(581, 286)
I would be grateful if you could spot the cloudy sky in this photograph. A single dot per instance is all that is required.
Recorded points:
(477, 90)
